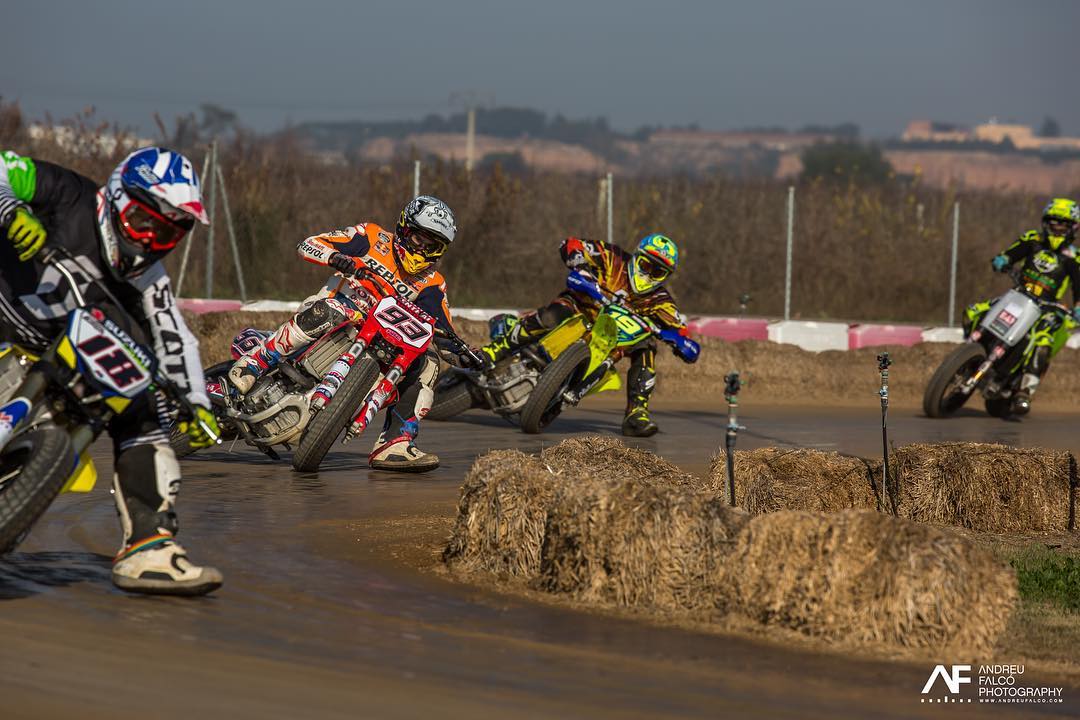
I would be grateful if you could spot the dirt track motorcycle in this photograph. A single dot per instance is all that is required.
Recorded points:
(586, 366)
(56, 405)
(338, 384)
(993, 358)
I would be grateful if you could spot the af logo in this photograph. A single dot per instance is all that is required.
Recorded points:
(1045, 262)
(959, 675)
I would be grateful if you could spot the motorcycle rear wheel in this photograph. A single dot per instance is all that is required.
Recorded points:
(999, 407)
(544, 404)
(451, 401)
(33, 468)
(330, 422)
(941, 398)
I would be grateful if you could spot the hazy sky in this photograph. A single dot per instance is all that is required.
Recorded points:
(878, 63)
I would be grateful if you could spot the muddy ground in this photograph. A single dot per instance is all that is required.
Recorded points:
(335, 605)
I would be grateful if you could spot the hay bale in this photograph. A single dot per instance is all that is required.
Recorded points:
(861, 576)
(608, 457)
(984, 487)
(772, 479)
(501, 515)
(632, 544)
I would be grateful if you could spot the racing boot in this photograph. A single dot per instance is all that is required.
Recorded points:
(1021, 399)
(640, 381)
(400, 454)
(150, 560)
(514, 333)
(158, 565)
(288, 338)
(637, 423)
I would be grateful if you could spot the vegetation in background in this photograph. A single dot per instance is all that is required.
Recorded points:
(862, 250)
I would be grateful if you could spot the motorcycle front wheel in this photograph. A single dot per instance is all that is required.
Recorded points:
(545, 401)
(332, 420)
(943, 396)
(33, 468)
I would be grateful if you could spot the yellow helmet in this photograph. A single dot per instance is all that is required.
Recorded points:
(1059, 221)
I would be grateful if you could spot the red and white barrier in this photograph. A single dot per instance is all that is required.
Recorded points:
(812, 336)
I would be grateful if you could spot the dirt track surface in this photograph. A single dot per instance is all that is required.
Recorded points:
(332, 608)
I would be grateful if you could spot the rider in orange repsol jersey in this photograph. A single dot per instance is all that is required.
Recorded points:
(405, 261)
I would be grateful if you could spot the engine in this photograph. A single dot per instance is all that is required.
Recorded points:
(280, 426)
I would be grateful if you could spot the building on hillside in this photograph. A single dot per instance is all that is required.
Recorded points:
(930, 131)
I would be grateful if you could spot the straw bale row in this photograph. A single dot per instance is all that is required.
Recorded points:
(979, 486)
(598, 528)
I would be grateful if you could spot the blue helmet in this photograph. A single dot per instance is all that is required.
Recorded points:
(654, 261)
(151, 201)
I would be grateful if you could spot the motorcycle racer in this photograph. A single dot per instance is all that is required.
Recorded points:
(600, 272)
(116, 235)
(1050, 268)
(406, 260)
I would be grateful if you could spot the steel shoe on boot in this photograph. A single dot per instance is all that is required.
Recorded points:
(1021, 402)
(244, 373)
(637, 423)
(401, 455)
(158, 565)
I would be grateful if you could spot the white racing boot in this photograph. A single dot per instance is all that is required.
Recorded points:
(401, 455)
(158, 565)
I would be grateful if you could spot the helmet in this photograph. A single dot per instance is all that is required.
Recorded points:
(150, 202)
(424, 231)
(1059, 221)
(654, 261)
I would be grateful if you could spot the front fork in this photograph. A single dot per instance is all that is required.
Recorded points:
(326, 390)
(973, 382)
(574, 396)
(382, 393)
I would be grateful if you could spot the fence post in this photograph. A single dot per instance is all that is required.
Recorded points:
(610, 217)
(790, 238)
(952, 266)
(213, 216)
(416, 179)
(232, 233)
(191, 235)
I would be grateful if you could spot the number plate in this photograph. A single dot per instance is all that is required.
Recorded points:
(108, 355)
(401, 322)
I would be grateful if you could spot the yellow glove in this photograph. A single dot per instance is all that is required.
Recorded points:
(198, 436)
(26, 233)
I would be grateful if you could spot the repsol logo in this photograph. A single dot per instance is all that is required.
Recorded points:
(400, 287)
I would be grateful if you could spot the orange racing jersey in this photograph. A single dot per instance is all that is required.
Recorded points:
(372, 247)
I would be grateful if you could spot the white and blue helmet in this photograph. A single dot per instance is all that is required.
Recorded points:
(151, 201)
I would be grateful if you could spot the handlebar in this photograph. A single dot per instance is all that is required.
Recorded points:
(1021, 284)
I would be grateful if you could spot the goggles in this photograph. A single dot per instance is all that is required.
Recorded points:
(424, 243)
(1059, 226)
(149, 228)
(653, 269)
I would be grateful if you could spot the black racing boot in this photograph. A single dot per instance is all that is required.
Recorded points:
(637, 422)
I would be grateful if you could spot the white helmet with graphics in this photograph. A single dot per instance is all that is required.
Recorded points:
(424, 231)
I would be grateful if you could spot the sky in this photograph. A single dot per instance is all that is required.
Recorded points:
(722, 65)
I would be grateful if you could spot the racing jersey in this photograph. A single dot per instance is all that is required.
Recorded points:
(1046, 272)
(35, 299)
(610, 265)
(372, 247)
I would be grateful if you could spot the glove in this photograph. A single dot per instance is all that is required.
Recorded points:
(342, 263)
(1000, 262)
(194, 431)
(582, 283)
(683, 347)
(473, 359)
(26, 233)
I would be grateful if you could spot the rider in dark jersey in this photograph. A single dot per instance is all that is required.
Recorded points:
(111, 239)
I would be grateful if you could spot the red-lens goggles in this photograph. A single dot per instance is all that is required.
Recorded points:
(654, 269)
(146, 226)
